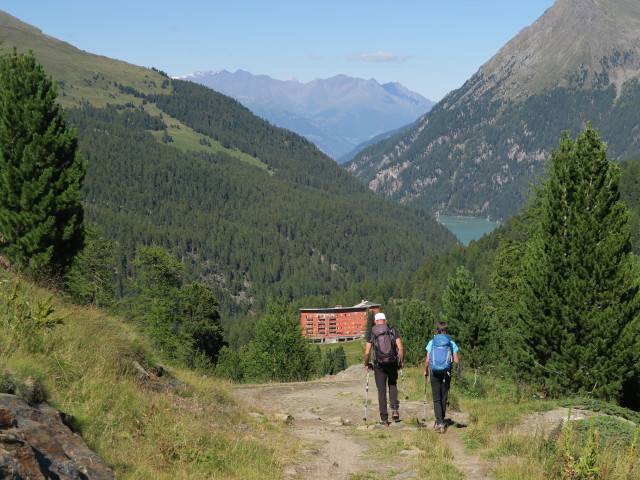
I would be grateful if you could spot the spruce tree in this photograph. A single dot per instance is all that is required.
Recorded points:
(580, 292)
(505, 347)
(278, 351)
(417, 326)
(329, 363)
(41, 172)
(92, 275)
(464, 308)
(370, 322)
(158, 279)
(200, 319)
(340, 359)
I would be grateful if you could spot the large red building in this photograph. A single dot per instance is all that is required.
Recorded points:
(336, 324)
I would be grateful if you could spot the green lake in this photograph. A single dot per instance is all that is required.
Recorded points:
(467, 228)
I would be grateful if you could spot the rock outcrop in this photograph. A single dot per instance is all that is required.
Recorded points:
(35, 443)
(478, 151)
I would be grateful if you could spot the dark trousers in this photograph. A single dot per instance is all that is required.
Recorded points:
(440, 384)
(386, 374)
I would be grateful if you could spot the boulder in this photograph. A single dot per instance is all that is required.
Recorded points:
(36, 444)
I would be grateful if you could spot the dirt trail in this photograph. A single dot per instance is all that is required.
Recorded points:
(321, 413)
(472, 466)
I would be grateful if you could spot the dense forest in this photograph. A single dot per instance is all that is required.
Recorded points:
(190, 238)
(482, 167)
(299, 227)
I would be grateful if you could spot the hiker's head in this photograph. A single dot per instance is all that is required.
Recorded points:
(442, 327)
(380, 318)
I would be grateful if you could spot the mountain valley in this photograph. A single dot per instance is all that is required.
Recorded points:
(480, 148)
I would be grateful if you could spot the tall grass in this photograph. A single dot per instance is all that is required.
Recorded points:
(84, 360)
(353, 350)
(603, 448)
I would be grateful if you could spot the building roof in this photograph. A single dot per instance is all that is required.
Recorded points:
(367, 303)
(362, 305)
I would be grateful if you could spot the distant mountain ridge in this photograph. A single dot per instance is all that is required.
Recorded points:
(337, 113)
(479, 149)
(254, 211)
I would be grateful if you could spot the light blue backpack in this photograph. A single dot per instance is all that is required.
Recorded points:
(441, 355)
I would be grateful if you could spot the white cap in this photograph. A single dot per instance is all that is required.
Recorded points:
(380, 316)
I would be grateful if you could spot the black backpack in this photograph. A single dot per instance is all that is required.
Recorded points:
(384, 344)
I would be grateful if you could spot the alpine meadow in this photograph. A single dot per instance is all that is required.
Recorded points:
(158, 242)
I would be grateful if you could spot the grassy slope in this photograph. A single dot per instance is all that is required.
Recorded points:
(86, 368)
(79, 81)
(198, 431)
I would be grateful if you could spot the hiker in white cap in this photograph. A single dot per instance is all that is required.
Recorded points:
(389, 358)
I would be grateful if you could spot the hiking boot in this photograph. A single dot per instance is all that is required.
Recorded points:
(441, 428)
(395, 416)
(385, 423)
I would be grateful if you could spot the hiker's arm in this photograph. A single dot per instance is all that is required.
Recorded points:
(426, 365)
(455, 358)
(367, 353)
(400, 352)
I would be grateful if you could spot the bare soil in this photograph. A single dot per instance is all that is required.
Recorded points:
(328, 417)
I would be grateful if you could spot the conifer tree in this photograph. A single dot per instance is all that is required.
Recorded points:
(200, 319)
(417, 326)
(340, 359)
(278, 351)
(158, 279)
(92, 274)
(370, 322)
(329, 362)
(505, 348)
(41, 172)
(580, 291)
(465, 310)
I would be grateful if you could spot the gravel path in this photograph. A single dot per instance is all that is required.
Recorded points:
(327, 415)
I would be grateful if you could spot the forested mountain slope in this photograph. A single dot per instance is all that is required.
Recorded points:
(253, 210)
(478, 150)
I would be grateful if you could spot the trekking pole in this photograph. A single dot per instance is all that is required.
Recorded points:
(424, 401)
(404, 385)
(366, 396)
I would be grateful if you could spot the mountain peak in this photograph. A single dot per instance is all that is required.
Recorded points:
(478, 150)
(336, 113)
(583, 43)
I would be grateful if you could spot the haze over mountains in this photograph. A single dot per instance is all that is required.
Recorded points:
(479, 149)
(255, 211)
(337, 114)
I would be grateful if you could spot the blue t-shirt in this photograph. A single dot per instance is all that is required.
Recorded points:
(454, 347)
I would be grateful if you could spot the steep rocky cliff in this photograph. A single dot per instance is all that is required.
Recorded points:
(480, 148)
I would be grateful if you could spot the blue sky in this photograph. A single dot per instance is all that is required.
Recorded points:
(429, 46)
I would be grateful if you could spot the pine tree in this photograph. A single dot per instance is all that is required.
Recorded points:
(91, 277)
(580, 291)
(417, 326)
(278, 351)
(158, 279)
(200, 319)
(370, 322)
(329, 362)
(465, 310)
(340, 359)
(41, 172)
(505, 348)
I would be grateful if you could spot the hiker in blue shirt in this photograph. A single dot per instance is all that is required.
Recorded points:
(441, 353)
